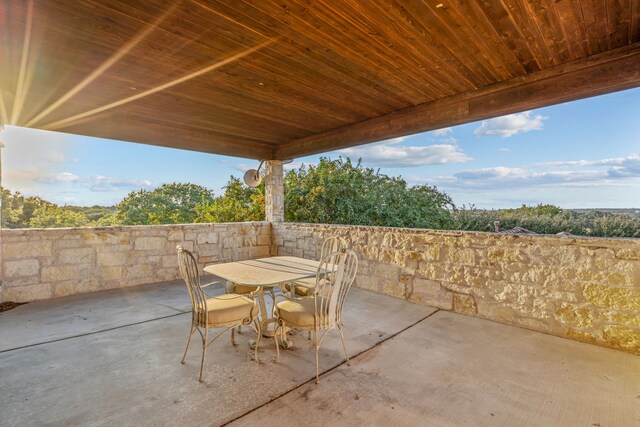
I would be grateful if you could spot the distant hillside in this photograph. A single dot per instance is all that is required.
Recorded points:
(629, 211)
(549, 219)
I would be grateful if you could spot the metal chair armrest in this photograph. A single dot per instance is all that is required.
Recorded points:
(297, 298)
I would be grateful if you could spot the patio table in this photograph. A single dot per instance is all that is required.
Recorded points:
(265, 273)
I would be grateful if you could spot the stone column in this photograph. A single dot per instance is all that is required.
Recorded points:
(274, 191)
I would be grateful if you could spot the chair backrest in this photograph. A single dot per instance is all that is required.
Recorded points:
(191, 275)
(332, 244)
(334, 278)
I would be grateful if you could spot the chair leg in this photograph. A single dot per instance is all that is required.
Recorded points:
(239, 329)
(286, 343)
(275, 338)
(193, 329)
(259, 338)
(273, 301)
(233, 336)
(344, 346)
(316, 347)
(204, 352)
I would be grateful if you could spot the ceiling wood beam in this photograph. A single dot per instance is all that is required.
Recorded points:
(607, 72)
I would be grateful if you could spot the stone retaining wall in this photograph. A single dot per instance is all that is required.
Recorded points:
(45, 263)
(586, 289)
(582, 288)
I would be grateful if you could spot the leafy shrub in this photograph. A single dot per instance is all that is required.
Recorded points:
(341, 192)
(54, 216)
(238, 203)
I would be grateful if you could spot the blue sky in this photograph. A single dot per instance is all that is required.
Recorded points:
(583, 154)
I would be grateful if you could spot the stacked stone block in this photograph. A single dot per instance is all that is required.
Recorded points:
(274, 191)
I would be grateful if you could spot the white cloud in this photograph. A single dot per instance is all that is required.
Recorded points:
(440, 180)
(443, 131)
(392, 155)
(27, 147)
(499, 172)
(503, 177)
(504, 149)
(579, 173)
(31, 153)
(612, 182)
(512, 124)
(620, 167)
(97, 183)
(569, 163)
(632, 159)
(61, 177)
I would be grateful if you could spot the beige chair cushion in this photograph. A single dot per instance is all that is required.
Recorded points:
(297, 312)
(243, 290)
(304, 287)
(229, 308)
(234, 288)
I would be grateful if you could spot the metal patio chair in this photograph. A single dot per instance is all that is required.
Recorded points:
(321, 311)
(305, 287)
(224, 311)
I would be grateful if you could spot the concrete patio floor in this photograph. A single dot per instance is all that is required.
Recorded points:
(113, 358)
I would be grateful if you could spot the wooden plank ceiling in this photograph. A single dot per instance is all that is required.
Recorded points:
(279, 79)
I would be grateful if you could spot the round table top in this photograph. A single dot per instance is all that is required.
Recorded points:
(270, 271)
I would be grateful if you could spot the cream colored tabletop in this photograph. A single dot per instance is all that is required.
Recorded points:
(265, 271)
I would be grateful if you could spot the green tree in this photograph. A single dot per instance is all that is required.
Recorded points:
(106, 220)
(238, 203)
(9, 213)
(93, 213)
(340, 192)
(54, 216)
(168, 204)
(17, 210)
(538, 210)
